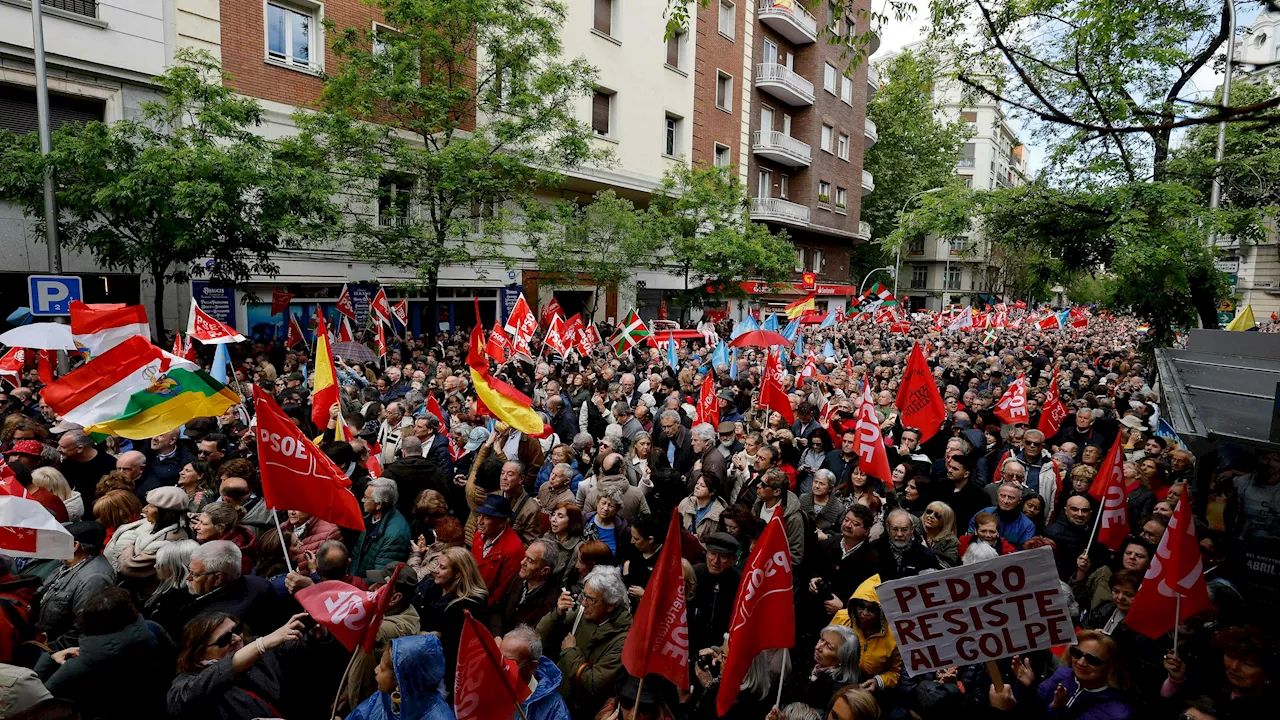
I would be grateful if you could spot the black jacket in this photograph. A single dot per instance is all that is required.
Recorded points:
(138, 657)
(1071, 541)
(512, 611)
(712, 606)
(438, 453)
(248, 597)
(412, 475)
(915, 559)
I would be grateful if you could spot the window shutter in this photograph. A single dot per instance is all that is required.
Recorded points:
(604, 16)
(600, 113)
(673, 51)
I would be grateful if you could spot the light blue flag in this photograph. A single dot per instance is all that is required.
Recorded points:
(1166, 431)
(720, 356)
(672, 359)
(770, 323)
(1064, 318)
(828, 350)
(829, 320)
(799, 347)
(746, 325)
(218, 371)
(733, 364)
(792, 330)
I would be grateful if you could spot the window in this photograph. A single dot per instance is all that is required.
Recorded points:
(953, 278)
(969, 117)
(765, 187)
(915, 246)
(728, 18)
(842, 147)
(842, 197)
(724, 91)
(799, 259)
(602, 112)
(18, 109)
(784, 186)
(958, 245)
(828, 133)
(671, 136)
(289, 35)
(967, 180)
(973, 281)
(383, 46)
(824, 192)
(818, 261)
(846, 89)
(675, 47)
(604, 17)
(89, 8)
(829, 78)
(919, 276)
(394, 193)
(723, 158)
(967, 157)
(770, 52)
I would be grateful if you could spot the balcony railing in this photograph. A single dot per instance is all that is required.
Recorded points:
(864, 229)
(784, 83)
(87, 8)
(789, 19)
(870, 131)
(779, 210)
(868, 183)
(781, 147)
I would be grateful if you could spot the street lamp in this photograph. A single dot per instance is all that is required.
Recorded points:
(886, 268)
(897, 263)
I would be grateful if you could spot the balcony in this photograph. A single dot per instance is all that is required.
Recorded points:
(790, 20)
(784, 83)
(870, 131)
(782, 148)
(868, 183)
(779, 210)
(874, 43)
(864, 229)
(873, 81)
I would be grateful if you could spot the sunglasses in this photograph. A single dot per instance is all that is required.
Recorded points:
(1090, 658)
(225, 638)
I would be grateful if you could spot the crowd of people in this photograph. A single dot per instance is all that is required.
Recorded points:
(179, 600)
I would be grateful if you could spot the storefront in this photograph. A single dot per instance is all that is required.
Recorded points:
(765, 298)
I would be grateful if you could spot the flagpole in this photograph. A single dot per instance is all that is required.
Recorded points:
(639, 689)
(1177, 619)
(1096, 524)
(497, 664)
(782, 673)
(280, 531)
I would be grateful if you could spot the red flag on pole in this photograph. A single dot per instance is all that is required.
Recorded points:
(382, 340)
(918, 397)
(345, 306)
(401, 312)
(44, 367)
(764, 611)
(551, 311)
(659, 639)
(296, 475)
(1109, 489)
(1053, 412)
(295, 336)
(280, 301)
(380, 308)
(708, 407)
(481, 669)
(344, 331)
(772, 395)
(1174, 571)
(351, 615)
(872, 458)
(497, 345)
(1012, 408)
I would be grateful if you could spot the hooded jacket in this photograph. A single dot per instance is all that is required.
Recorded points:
(880, 656)
(419, 667)
(792, 520)
(545, 703)
(710, 523)
(361, 682)
(139, 657)
(594, 665)
(133, 548)
(633, 502)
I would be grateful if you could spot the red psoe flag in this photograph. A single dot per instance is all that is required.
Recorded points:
(1109, 488)
(296, 475)
(345, 306)
(764, 611)
(872, 458)
(1054, 411)
(918, 397)
(382, 340)
(481, 670)
(379, 308)
(497, 345)
(1012, 408)
(708, 408)
(351, 615)
(295, 336)
(280, 301)
(344, 331)
(772, 395)
(208, 330)
(1174, 571)
(555, 338)
(521, 323)
(659, 639)
(552, 311)
(44, 367)
(400, 311)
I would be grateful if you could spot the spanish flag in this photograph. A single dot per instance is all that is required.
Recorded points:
(325, 390)
(803, 306)
(1244, 321)
(503, 401)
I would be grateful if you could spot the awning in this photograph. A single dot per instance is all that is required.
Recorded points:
(764, 288)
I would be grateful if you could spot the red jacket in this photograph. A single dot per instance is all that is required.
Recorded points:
(248, 545)
(51, 502)
(1005, 548)
(317, 532)
(502, 564)
(17, 594)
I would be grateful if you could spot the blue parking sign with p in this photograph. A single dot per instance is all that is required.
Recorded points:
(51, 295)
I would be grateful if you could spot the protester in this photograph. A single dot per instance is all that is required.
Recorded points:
(455, 586)
(522, 646)
(880, 661)
(386, 532)
(221, 521)
(408, 678)
(590, 647)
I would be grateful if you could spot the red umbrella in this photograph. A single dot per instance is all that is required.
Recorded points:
(759, 338)
(813, 318)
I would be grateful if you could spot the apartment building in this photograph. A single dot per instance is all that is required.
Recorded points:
(100, 59)
(936, 271)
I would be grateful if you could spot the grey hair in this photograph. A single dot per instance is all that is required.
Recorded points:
(411, 445)
(397, 406)
(800, 711)
(614, 495)
(704, 432)
(172, 560)
(414, 399)
(385, 492)
(607, 580)
(80, 438)
(899, 512)
(669, 415)
(565, 469)
(1031, 432)
(979, 552)
(1011, 462)
(517, 463)
(550, 552)
(530, 638)
(219, 556)
(827, 475)
(848, 655)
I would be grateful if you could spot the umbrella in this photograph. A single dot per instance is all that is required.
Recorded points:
(40, 336)
(21, 316)
(28, 530)
(358, 352)
(759, 338)
(813, 319)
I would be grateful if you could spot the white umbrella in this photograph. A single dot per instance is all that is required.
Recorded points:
(41, 336)
(27, 529)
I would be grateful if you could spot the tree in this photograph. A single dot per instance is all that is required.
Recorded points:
(701, 227)
(600, 242)
(917, 149)
(186, 179)
(946, 214)
(452, 123)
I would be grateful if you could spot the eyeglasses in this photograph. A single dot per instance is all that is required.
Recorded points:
(933, 513)
(205, 453)
(1090, 658)
(194, 574)
(227, 637)
(588, 600)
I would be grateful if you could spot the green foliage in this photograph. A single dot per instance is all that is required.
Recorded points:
(397, 117)
(945, 213)
(1088, 289)
(916, 150)
(700, 224)
(187, 179)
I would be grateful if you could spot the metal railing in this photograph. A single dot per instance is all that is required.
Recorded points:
(780, 141)
(794, 9)
(777, 72)
(87, 8)
(779, 209)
